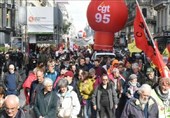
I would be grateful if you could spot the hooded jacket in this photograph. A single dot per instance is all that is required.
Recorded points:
(69, 101)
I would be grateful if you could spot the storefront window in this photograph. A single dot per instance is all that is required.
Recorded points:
(8, 18)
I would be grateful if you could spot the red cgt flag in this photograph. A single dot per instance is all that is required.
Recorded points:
(144, 41)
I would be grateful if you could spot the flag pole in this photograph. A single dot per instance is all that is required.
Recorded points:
(147, 29)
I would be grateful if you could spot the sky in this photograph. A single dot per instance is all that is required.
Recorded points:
(77, 10)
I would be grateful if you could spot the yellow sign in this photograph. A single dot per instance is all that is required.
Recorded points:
(132, 47)
(166, 53)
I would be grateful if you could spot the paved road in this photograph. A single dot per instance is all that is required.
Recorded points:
(22, 98)
(22, 104)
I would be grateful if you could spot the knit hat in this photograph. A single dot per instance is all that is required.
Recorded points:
(132, 76)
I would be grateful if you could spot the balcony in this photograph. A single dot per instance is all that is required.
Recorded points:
(159, 4)
(159, 1)
(145, 3)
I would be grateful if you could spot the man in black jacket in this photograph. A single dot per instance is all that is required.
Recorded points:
(36, 86)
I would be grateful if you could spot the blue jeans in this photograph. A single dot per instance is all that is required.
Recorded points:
(87, 109)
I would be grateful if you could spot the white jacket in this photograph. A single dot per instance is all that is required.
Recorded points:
(69, 103)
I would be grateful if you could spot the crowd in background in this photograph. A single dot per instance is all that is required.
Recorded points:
(68, 84)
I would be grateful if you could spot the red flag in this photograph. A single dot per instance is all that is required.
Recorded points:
(144, 41)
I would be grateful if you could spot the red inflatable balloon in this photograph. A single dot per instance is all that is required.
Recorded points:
(106, 17)
(103, 41)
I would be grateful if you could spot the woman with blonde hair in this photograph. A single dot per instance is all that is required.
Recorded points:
(86, 89)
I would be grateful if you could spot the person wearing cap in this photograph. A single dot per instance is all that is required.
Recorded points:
(141, 106)
(115, 64)
(162, 96)
(151, 78)
(69, 75)
(131, 86)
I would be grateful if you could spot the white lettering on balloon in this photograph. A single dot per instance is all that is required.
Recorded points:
(103, 14)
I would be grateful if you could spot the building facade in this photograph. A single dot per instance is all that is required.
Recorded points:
(44, 21)
(147, 8)
(7, 21)
(157, 16)
(163, 23)
(163, 15)
(26, 19)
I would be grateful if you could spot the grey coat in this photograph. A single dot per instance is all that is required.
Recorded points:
(96, 97)
(132, 109)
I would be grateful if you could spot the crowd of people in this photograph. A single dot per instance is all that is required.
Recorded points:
(71, 85)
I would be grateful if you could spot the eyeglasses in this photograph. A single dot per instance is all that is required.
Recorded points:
(104, 79)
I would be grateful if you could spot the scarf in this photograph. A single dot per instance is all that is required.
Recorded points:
(162, 96)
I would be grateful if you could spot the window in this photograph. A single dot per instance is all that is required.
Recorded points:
(8, 18)
(144, 11)
(1, 1)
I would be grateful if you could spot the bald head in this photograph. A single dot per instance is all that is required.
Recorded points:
(12, 99)
(11, 105)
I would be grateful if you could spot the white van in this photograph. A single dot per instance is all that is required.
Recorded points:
(102, 54)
